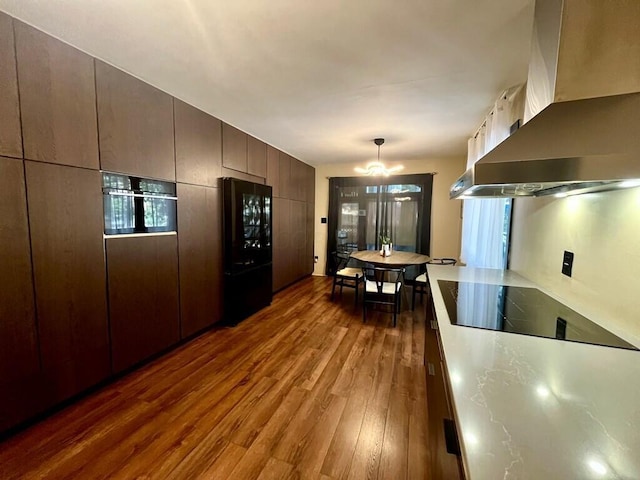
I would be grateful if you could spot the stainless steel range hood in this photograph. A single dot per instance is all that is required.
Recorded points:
(583, 107)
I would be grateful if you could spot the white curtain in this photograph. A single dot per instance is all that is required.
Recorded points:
(483, 221)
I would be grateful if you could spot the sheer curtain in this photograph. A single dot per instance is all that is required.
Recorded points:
(484, 226)
(485, 222)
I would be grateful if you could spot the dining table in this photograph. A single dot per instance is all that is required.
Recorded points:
(395, 260)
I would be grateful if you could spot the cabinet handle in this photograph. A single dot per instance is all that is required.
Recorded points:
(431, 369)
(451, 437)
(434, 325)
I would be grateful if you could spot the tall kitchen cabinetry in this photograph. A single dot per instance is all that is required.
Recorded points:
(136, 125)
(10, 135)
(20, 374)
(293, 190)
(136, 131)
(59, 133)
(200, 253)
(57, 100)
(65, 217)
(198, 138)
(293, 184)
(62, 330)
(55, 322)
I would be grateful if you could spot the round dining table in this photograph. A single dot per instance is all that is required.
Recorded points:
(396, 259)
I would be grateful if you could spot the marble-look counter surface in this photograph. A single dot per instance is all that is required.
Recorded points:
(536, 408)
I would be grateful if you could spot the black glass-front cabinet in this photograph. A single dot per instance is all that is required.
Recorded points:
(247, 234)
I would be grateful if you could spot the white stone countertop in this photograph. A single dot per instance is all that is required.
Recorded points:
(538, 408)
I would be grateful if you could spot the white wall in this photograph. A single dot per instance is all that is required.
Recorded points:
(445, 213)
(603, 231)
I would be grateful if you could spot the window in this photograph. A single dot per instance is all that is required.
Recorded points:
(362, 209)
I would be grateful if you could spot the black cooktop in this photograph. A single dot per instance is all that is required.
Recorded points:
(521, 310)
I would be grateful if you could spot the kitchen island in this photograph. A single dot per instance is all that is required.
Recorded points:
(537, 408)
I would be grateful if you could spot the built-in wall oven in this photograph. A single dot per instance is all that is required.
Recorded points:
(137, 205)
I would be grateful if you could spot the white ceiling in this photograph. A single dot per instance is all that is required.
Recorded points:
(319, 80)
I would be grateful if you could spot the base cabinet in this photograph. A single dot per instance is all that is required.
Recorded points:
(442, 436)
(247, 292)
(143, 297)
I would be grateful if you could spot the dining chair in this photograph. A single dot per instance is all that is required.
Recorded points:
(420, 283)
(382, 286)
(344, 275)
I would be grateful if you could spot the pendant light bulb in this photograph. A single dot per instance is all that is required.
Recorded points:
(377, 168)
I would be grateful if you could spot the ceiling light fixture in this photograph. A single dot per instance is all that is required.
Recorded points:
(378, 168)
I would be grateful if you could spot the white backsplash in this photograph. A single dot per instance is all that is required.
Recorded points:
(603, 231)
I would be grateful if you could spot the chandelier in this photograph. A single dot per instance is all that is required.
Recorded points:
(378, 168)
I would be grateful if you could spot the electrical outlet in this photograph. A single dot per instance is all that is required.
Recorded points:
(567, 263)
(315, 259)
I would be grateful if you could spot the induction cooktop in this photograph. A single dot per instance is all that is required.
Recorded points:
(521, 310)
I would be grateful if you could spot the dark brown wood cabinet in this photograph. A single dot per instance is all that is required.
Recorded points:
(65, 216)
(198, 146)
(234, 148)
(10, 133)
(256, 157)
(143, 297)
(293, 240)
(443, 465)
(227, 172)
(57, 100)
(309, 183)
(298, 235)
(61, 330)
(135, 125)
(284, 175)
(282, 255)
(297, 190)
(20, 379)
(200, 257)
(273, 170)
(309, 247)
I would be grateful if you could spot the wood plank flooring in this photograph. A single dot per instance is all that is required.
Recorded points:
(301, 390)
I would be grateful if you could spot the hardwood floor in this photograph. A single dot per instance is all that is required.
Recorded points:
(301, 390)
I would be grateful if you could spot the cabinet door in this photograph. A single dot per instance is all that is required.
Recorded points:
(234, 148)
(282, 256)
(297, 180)
(256, 157)
(284, 175)
(57, 99)
(309, 183)
(19, 363)
(443, 464)
(273, 169)
(298, 234)
(65, 215)
(227, 172)
(143, 297)
(135, 125)
(10, 134)
(200, 257)
(198, 146)
(309, 246)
